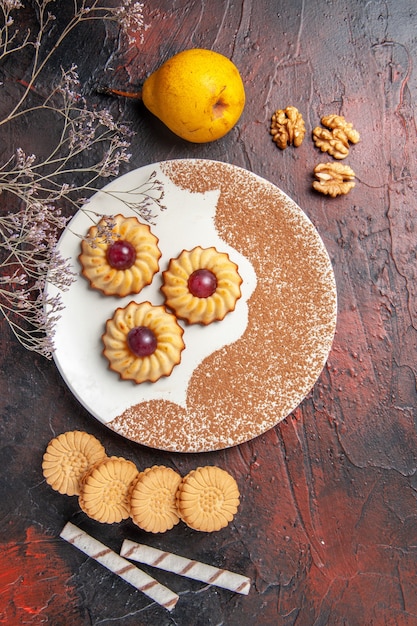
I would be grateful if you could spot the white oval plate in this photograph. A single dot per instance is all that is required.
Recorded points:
(238, 377)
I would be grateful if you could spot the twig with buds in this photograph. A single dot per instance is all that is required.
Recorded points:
(91, 146)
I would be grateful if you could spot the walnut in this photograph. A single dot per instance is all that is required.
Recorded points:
(333, 142)
(336, 140)
(333, 179)
(287, 127)
(339, 122)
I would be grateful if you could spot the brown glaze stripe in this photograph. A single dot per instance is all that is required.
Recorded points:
(185, 567)
(121, 571)
(116, 564)
(188, 567)
(101, 554)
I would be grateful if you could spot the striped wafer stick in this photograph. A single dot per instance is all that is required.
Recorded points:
(116, 564)
(185, 567)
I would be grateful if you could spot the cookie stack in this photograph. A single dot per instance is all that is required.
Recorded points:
(111, 489)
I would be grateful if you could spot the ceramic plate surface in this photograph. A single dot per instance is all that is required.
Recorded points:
(238, 377)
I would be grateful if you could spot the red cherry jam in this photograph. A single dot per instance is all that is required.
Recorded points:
(121, 255)
(202, 283)
(141, 341)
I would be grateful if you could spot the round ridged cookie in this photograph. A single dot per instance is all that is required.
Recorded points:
(143, 342)
(201, 285)
(207, 498)
(67, 457)
(105, 490)
(153, 504)
(119, 256)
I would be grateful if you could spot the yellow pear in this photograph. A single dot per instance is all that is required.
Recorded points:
(197, 93)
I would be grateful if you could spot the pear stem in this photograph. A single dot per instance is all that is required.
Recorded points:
(135, 95)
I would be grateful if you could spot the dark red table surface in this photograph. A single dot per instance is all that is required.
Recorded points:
(327, 526)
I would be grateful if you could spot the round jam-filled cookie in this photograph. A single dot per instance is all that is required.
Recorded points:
(68, 457)
(207, 498)
(143, 342)
(153, 505)
(119, 256)
(201, 285)
(105, 490)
